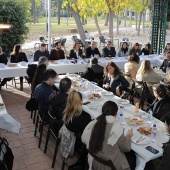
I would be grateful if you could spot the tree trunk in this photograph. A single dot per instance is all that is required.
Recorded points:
(83, 20)
(117, 27)
(111, 25)
(97, 25)
(140, 19)
(79, 25)
(143, 23)
(34, 11)
(86, 21)
(136, 18)
(58, 12)
(125, 18)
(106, 19)
(130, 12)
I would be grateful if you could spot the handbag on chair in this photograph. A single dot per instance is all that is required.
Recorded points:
(31, 104)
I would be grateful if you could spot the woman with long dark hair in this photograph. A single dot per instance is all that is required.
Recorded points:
(114, 81)
(147, 50)
(17, 56)
(123, 51)
(135, 49)
(38, 77)
(105, 138)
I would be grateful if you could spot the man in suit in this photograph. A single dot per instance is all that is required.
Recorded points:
(109, 51)
(41, 52)
(57, 54)
(166, 62)
(92, 50)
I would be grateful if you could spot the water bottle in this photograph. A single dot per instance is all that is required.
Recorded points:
(150, 113)
(151, 65)
(121, 114)
(167, 69)
(153, 133)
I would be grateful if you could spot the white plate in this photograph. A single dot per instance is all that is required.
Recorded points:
(94, 105)
(146, 140)
(104, 93)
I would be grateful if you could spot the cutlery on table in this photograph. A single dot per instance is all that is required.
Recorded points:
(141, 139)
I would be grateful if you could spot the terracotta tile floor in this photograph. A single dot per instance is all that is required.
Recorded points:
(27, 155)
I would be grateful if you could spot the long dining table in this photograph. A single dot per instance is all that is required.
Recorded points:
(94, 108)
(69, 66)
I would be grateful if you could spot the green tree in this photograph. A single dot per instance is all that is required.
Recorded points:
(15, 14)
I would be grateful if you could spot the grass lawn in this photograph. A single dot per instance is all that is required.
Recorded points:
(39, 29)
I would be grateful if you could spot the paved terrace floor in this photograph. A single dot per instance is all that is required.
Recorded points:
(27, 155)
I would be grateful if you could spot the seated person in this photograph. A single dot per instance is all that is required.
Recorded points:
(42, 93)
(147, 50)
(166, 62)
(123, 51)
(131, 67)
(32, 68)
(4, 60)
(58, 99)
(92, 51)
(38, 77)
(109, 51)
(17, 56)
(41, 52)
(162, 163)
(135, 49)
(166, 49)
(105, 138)
(87, 35)
(94, 71)
(161, 105)
(74, 117)
(76, 52)
(57, 54)
(114, 81)
(147, 74)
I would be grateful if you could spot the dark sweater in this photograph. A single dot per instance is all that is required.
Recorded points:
(109, 53)
(53, 55)
(90, 52)
(146, 52)
(73, 54)
(39, 54)
(165, 64)
(31, 72)
(41, 94)
(57, 101)
(21, 57)
(3, 58)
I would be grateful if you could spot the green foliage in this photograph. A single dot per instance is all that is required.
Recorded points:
(13, 13)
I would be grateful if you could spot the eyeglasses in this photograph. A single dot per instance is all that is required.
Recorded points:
(108, 44)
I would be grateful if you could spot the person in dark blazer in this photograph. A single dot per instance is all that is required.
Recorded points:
(162, 163)
(94, 72)
(3, 60)
(161, 105)
(76, 52)
(41, 52)
(147, 50)
(92, 50)
(166, 62)
(109, 51)
(57, 54)
(114, 81)
(18, 56)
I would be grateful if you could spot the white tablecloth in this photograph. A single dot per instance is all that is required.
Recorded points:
(6, 121)
(142, 154)
(61, 67)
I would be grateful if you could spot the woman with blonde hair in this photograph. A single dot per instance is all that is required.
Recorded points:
(76, 52)
(146, 73)
(114, 81)
(131, 67)
(74, 118)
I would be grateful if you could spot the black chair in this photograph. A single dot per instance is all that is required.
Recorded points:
(102, 40)
(39, 126)
(53, 129)
(108, 163)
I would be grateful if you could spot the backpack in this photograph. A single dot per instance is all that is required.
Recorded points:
(6, 155)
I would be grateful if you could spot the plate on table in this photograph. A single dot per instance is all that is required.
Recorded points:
(94, 105)
(2, 105)
(94, 96)
(134, 121)
(107, 58)
(77, 86)
(12, 64)
(106, 93)
(150, 56)
(140, 140)
(145, 130)
(122, 101)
